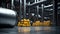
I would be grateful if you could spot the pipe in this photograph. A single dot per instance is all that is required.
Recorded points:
(12, 4)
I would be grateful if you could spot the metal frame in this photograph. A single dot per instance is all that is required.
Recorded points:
(36, 3)
(40, 2)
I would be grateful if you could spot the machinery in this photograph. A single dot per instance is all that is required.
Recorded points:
(8, 18)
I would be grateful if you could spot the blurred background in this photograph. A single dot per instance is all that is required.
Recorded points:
(35, 15)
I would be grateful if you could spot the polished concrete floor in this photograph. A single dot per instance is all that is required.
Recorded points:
(30, 30)
(37, 30)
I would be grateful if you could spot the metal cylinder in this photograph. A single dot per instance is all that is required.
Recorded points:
(7, 17)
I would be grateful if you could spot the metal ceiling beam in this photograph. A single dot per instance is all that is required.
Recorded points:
(51, 9)
(36, 3)
(39, 2)
(49, 6)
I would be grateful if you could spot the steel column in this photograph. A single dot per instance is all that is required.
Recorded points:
(20, 12)
(42, 12)
(29, 11)
(24, 8)
(55, 12)
(37, 11)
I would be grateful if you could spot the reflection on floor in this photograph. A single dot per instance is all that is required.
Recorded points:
(36, 30)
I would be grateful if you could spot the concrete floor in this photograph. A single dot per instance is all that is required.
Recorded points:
(30, 30)
(37, 30)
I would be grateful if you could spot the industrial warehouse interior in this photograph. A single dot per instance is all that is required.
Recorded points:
(29, 16)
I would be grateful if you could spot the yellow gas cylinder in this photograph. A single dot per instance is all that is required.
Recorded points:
(41, 23)
(23, 20)
(47, 23)
(38, 23)
(19, 24)
(24, 25)
(33, 24)
(26, 22)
